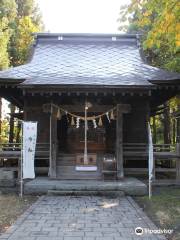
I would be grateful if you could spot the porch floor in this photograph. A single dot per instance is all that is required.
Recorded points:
(43, 185)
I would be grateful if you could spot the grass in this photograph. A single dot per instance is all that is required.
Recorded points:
(12, 206)
(164, 209)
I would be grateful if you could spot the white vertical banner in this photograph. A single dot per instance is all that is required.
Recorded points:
(29, 145)
(151, 160)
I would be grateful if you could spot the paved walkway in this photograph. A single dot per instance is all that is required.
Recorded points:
(81, 218)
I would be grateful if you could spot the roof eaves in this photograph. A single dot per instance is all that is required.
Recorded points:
(85, 86)
(166, 81)
(12, 80)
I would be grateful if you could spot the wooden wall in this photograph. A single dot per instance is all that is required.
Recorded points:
(135, 123)
(33, 111)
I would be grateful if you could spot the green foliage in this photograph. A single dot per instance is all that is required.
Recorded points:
(5, 130)
(18, 20)
(7, 16)
(4, 39)
(8, 10)
(159, 22)
(27, 21)
(28, 8)
(21, 40)
(25, 7)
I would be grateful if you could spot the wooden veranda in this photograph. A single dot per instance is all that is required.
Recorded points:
(10, 155)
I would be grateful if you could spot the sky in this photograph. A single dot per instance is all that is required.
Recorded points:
(81, 16)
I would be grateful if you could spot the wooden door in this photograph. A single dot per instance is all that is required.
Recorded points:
(95, 139)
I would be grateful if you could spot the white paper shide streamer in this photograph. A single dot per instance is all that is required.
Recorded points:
(29, 145)
(94, 123)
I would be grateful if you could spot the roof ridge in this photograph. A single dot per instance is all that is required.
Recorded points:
(90, 35)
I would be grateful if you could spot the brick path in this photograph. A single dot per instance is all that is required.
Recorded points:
(81, 218)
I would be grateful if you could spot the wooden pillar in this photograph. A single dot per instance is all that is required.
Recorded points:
(53, 144)
(119, 142)
(11, 123)
(178, 161)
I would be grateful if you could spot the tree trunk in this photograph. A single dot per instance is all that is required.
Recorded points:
(18, 132)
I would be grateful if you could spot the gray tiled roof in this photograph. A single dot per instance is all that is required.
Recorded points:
(62, 59)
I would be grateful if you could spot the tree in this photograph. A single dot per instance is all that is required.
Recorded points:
(21, 40)
(158, 21)
(28, 20)
(159, 24)
(7, 16)
(18, 20)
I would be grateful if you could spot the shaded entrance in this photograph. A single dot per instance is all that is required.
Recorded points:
(71, 148)
(71, 139)
(67, 140)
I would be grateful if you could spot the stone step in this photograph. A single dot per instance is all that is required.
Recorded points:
(75, 177)
(85, 193)
(41, 185)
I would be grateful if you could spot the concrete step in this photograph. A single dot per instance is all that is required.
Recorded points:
(85, 193)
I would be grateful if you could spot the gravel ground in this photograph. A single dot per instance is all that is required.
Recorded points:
(11, 206)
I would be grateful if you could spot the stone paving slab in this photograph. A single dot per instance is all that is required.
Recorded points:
(81, 218)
